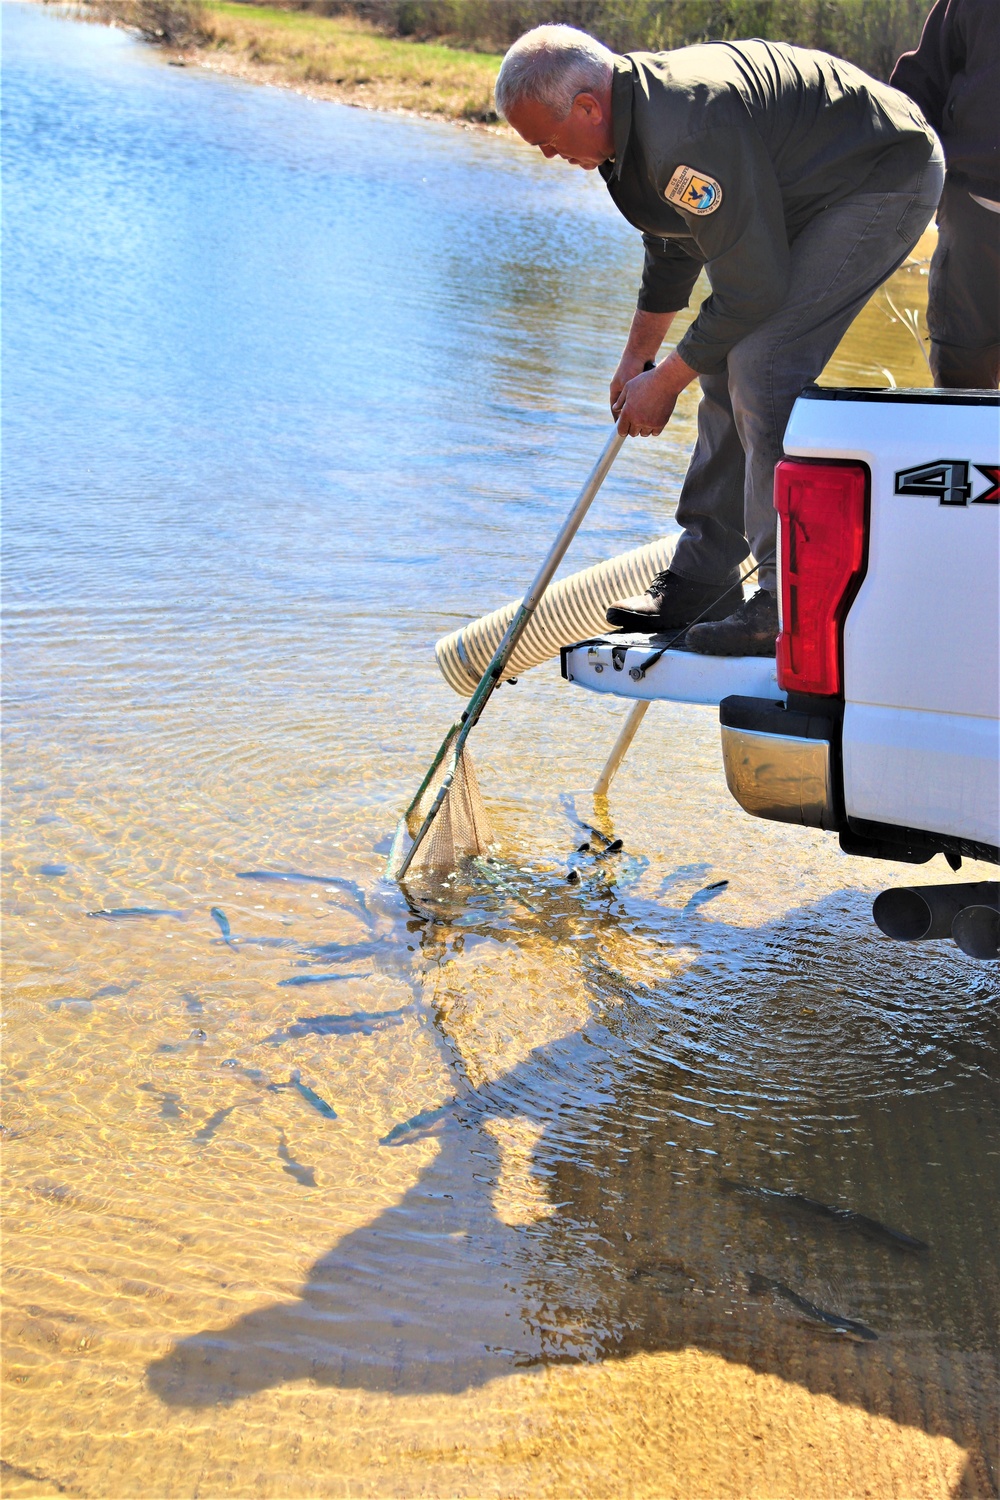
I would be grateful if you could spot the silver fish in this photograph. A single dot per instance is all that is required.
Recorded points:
(222, 922)
(363, 1021)
(847, 1218)
(427, 1122)
(707, 893)
(299, 979)
(839, 1324)
(212, 1124)
(124, 913)
(308, 1094)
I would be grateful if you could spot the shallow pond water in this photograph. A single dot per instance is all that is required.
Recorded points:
(312, 1189)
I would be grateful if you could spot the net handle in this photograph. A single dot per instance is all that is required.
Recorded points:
(494, 672)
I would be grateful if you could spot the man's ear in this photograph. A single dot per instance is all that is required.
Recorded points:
(591, 106)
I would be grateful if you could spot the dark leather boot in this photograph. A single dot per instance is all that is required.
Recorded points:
(671, 603)
(751, 630)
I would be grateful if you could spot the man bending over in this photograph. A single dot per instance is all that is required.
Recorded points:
(800, 184)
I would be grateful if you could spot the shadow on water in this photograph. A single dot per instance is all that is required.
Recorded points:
(754, 1059)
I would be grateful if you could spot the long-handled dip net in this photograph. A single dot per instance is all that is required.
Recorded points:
(448, 800)
(461, 826)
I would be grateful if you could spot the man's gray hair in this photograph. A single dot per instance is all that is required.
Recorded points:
(552, 64)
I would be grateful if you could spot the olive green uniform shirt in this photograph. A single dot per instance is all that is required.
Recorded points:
(724, 152)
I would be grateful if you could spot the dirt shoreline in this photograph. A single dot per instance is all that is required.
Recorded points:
(214, 60)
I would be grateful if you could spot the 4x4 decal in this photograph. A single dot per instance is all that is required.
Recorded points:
(948, 480)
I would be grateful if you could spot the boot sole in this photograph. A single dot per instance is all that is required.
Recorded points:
(657, 625)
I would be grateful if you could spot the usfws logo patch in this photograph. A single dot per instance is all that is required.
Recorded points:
(693, 191)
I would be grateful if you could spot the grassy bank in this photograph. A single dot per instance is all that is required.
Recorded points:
(344, 57)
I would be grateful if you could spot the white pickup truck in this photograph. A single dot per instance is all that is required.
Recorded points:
(880, 718)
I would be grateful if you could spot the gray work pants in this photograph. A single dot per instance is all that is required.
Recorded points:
(839, 260)
(963, 297)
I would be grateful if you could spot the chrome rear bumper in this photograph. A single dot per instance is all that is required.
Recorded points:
(779, 763)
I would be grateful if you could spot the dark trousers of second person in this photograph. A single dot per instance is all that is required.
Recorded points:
(963, 302)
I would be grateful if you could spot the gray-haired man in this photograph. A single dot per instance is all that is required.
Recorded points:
(800, 184)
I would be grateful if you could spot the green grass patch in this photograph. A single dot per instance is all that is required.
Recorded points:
(343, 57)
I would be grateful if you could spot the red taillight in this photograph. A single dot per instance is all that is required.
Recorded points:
(821, 544)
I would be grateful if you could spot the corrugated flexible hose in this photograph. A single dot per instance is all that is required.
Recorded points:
(570, 610)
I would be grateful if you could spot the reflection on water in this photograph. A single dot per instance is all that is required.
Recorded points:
(317, 1186)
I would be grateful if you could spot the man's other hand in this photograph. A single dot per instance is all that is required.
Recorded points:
(644, 406)
(645, 403)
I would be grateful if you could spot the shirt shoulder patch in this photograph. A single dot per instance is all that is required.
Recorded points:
(693, 191)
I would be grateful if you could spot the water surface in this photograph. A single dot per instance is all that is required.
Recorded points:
(291, 389)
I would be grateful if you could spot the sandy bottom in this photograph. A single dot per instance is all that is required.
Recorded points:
(675, 1425)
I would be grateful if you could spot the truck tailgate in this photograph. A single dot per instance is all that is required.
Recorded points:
(921, 736)
(636, 666)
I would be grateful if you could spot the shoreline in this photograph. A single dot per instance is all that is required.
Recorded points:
(261, 75)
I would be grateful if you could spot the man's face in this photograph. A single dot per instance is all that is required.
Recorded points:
(584, 138)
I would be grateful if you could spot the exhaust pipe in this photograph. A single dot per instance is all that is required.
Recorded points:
(976, 930)
(917, 913)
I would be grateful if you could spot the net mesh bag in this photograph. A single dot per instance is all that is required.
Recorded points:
(461, 829)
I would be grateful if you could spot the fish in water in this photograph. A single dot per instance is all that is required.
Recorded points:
(124, 913)
(305, 1175)
(350, 888)
(170, 1108)
(309, 1095)
(682, 875)
(497, 881)
(671, 1276)
(427, 1122)
(212, 1124)
(35, 1478)
(759, 1285)
(598, 842)
(295, 877)
(222, 922)
(848, 1218)
(707, 893)
(602, 838)
(298, 979)
(615, 847)
(197, 1035)
(364, 1021)
(344, 953)
(72, 1002)
(254, 1074)
(266, 942)
(53, 870)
